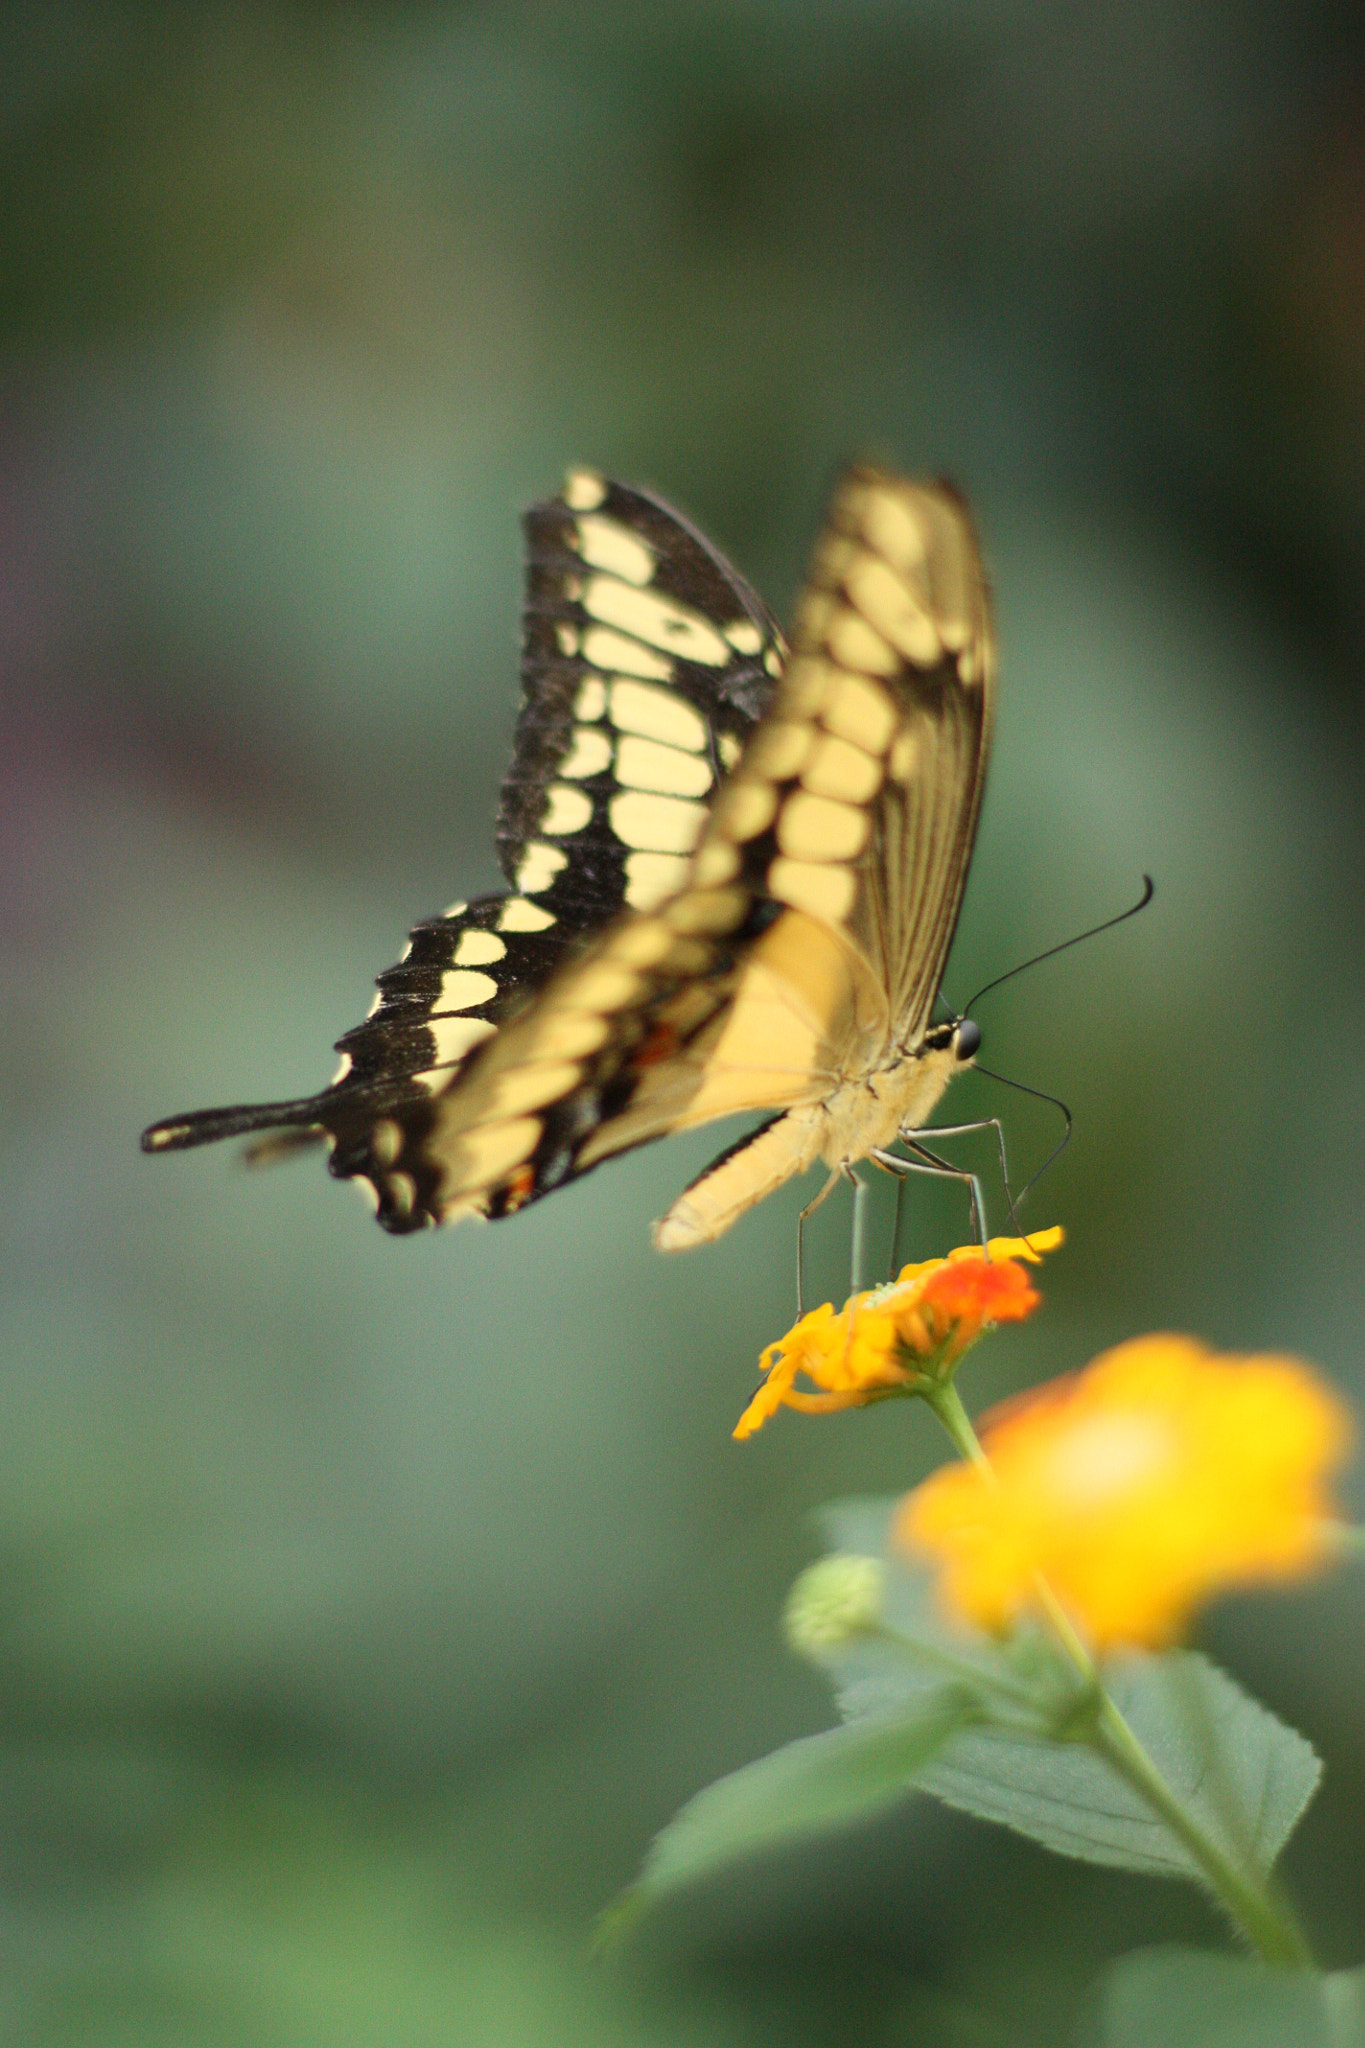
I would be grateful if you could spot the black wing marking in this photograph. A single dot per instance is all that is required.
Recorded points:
(646, 661)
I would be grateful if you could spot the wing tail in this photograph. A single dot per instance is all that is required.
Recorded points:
(208, 1126)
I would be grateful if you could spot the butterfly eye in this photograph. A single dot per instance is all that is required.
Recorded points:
(968, 1043)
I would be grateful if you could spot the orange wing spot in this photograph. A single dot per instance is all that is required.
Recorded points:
(660, 1042)
(519, 1188)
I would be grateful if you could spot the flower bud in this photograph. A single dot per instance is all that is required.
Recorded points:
(833, 1603)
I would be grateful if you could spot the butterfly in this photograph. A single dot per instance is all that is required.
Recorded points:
(734, 871)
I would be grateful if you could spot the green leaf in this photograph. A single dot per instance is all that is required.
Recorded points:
(1182, 1998)
(1244, 1776)
(874, 1676)
(821, 1781)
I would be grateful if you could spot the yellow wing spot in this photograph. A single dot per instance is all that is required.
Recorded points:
(386, 1142)
(707, 910)
(644, 942)
(837, 768)
(855, 644)
(644, 764)
(717, 861)
(602, 986)
(402, 1192)
(779, 749)
(971, 667)
(591, 701)
(658, 621)
(863, 712)
(566, 809)
(520, 916)
(833, 556)
(478, 949)
(608, 650)
(652, 877)
(532, 1087)
(744, 808)
(539, 866)
(905, 755)
(806, 685)
(605, 544)
(772, 661)
(491, 1150)
(744, 636)
(584, 490)
(729, 749)
(454, 1037)
(567, 636)
(589, 754)
(656, 824)
(890, 608)
(657, 715)
(690, 956)
(957, 591)
(891, 527)
(818, 828)
(462, 988)
(567, 1035)
(821, 891)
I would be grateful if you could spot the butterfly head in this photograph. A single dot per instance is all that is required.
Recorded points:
(959, 1035)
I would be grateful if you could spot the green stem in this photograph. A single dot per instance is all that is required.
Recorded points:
(1265, 1922)
(1263, 1919)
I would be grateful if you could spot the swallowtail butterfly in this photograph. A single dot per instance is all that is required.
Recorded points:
(734, 873)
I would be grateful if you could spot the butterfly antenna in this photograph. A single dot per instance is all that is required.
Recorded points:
(1148, 891)
(1038, 1094)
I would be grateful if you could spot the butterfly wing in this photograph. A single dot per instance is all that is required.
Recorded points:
(803, 951)
(645, 663)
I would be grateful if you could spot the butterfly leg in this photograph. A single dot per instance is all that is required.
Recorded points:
(809, 1210)
(858, 1245)
(896, 1226)
(985, 1123)
(929, 1162)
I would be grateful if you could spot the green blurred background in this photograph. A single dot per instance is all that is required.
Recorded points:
(368, 1603)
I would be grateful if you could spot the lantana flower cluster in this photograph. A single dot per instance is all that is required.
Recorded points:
(1128, 1494)
(1138, 1488)
(900, 1338)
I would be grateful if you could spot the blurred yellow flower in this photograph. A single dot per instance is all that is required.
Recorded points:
(1137, 1489)
(900, 1338)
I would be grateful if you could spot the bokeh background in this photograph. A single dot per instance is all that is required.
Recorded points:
(367, 1603)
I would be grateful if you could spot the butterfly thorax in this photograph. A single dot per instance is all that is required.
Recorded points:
(868, 1111)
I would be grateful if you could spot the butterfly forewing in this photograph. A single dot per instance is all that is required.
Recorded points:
(645, 663)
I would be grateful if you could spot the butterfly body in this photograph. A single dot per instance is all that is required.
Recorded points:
(735, 872)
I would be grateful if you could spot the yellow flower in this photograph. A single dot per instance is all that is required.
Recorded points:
(900, 1338)
(1137, 1489)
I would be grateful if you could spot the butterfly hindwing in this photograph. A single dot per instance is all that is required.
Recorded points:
(646, 661)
